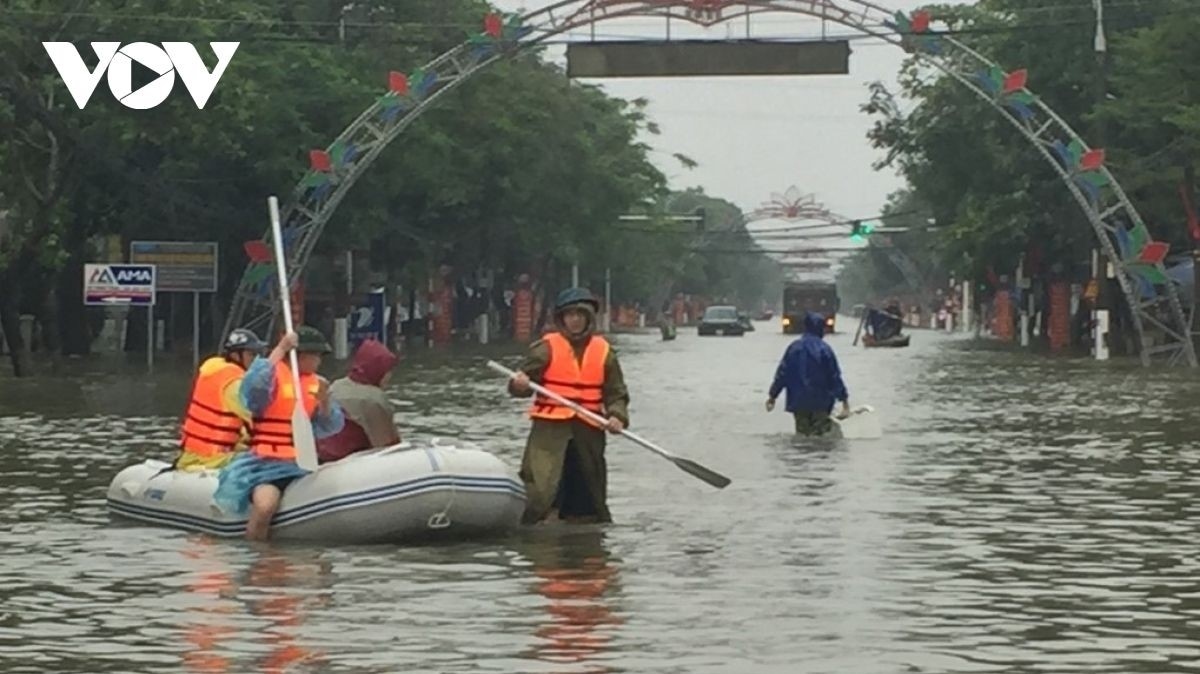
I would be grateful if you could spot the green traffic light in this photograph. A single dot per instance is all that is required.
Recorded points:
(860, 231)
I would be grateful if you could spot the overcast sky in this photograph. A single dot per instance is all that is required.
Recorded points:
(753, 136)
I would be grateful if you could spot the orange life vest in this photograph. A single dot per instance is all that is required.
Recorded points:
(579, 382)
(208, 428)
(271, 432)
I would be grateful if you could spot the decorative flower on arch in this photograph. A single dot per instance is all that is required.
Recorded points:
(1008, 89)
(1142, 256)
(914, 31)
(1083, 166)
(791, 205)
(499, 33)
(261, 270)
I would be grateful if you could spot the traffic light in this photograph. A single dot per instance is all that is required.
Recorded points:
(860, 231)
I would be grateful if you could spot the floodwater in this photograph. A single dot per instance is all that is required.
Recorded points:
(1023, 514)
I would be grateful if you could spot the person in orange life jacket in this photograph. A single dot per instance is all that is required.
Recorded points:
(215, 423)
(369, 415)
(255, 480)
(563, 468)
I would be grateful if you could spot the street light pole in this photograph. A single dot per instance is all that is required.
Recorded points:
(1100, 265)
(608, 299)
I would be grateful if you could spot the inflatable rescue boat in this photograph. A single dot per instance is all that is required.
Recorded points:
(390, 495)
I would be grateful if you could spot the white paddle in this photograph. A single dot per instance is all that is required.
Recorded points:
(862, 424)
(687, 465)
(302, 431)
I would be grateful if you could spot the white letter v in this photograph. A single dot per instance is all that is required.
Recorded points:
(80, 82)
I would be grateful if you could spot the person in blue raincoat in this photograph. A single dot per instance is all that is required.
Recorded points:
(810, 373)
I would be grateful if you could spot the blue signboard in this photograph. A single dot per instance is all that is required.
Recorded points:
(367, 321)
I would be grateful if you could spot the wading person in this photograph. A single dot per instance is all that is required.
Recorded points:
(563, 469)
(810, 373)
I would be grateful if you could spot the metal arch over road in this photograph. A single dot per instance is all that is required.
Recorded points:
(794, 206)
(1119, 229)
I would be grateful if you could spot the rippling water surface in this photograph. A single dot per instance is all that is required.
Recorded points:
(1022, 515)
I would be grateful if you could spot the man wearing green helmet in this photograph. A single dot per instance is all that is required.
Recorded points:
(563, 469)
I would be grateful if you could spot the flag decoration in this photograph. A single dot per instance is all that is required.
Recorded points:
(1084, 166)
(1143, 256)
(261, 270)
(405, 92)
(318, 160)
(498, 32)
(914, 32)
(1008, 89)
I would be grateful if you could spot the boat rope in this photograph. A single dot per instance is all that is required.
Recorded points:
(441, 519)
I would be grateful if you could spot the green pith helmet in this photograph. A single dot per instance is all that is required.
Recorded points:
(572, 296)
(311, 341)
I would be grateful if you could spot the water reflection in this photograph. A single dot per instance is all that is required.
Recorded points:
(235, 594)
(208, 619)
(280, 588)
(578, 578)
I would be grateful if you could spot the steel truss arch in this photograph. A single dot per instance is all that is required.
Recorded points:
(793, 205)
(1119, 229)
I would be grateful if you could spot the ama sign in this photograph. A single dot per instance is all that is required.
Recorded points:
(117, 62)
(108, 284)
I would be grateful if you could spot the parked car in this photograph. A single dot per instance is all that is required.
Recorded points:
(721, 319)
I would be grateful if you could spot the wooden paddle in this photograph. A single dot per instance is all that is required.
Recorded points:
(302, 431)
(860, 327)
(686, 465)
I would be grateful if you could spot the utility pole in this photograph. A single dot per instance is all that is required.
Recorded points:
(1100, 264)
(607, 325)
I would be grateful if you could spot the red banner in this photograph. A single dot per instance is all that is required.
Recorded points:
(1060, 315)
(522, 306)
(297, 299)
(1002, 317)
(443, 320)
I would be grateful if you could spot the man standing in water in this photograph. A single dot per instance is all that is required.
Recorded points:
(563, 469)
(810, 373)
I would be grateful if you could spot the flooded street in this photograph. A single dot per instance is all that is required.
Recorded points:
(1022, 514)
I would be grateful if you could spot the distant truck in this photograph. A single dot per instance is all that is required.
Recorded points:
(817, 296)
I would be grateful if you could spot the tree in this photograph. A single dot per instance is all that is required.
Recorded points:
(992, 194)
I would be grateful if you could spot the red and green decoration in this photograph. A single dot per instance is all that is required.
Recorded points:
(915, 32)
(1142, 256)
(499, 31)
(1084, 166)
(260, 273)
(1008, 89)
(405, 92)
(325, 164)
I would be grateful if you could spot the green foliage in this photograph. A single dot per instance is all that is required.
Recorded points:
(516, 170)
(993, 195)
